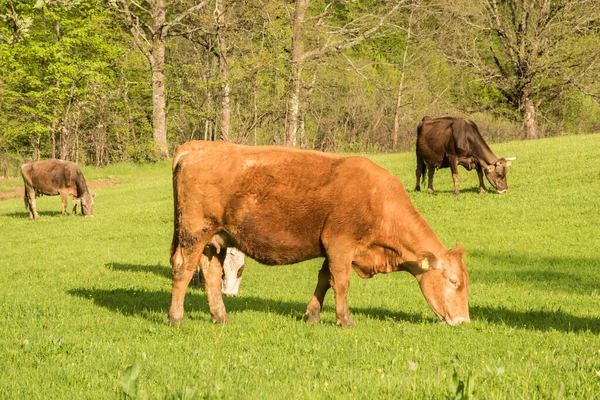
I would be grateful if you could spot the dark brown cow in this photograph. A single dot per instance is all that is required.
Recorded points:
(449, 142)
(53, 177)
(281, 206)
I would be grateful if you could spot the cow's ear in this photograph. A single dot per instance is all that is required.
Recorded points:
(427, 261)
(93, 195)
(509, 160)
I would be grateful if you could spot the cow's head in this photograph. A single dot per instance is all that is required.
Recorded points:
(496, 173)
(87, 204)
(444, 283)
(233, 267)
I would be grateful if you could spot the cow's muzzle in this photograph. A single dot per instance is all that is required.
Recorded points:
(89, 216)
(501, 191)
(457, 321)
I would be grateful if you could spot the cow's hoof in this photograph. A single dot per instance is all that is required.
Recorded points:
(348, 323)
(430, 191)
(312, 317)
(456, 193)
(221, 319)
(417, 189)
(482, 191)
(176, 322)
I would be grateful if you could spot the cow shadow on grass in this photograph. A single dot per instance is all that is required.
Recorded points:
(25, 214)
(473, 190)
(157, 269)
(146, 304)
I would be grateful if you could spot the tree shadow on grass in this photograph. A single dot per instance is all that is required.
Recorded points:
(138, 303)
(567, 274)
(541, 320)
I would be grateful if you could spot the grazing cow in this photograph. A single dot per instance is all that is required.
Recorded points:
(233, 267)
(282, 205)
(53, 177)
(449, 142)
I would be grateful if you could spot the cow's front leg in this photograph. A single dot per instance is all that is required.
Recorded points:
(75, 203)
(212, 269)
(313, 311)
(64, 200)
(482, 189)
(454, 169)
(184, 261)
(340, 282)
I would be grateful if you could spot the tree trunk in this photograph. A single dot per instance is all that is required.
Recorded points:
(528, 110)
(53, 139)
(401, 88)
(225, 116)
(157, 63)
(293, 102)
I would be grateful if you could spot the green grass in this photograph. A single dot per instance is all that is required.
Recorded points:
(84, 301)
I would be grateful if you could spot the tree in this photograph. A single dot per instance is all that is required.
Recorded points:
(147, 22)
(530, 51)
(330, 32)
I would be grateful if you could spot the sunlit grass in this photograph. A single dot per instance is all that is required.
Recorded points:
(83, 299)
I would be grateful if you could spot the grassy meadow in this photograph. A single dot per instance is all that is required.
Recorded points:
(84, 300)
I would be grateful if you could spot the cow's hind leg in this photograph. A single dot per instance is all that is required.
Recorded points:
(184, 261)
(454, 168)
(212, 269)
(419, 172)
(313, 311)
(33, 214)
(430, 172)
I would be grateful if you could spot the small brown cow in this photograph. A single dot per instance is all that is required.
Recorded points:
(54, 177)
(449, 142)
(282, 205)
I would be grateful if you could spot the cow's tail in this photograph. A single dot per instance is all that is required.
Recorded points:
(26, 198)
(26, 194)
(176, 258)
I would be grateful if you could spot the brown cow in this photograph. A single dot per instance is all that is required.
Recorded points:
(449, 142)
(283, 205)
(53, 177)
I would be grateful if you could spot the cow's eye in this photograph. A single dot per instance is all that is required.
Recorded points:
(453, 281)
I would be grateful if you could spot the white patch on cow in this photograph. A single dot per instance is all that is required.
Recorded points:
(234, 261)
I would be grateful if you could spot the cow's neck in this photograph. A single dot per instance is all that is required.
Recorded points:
(411, 234)
(484, 153)
(81, 185)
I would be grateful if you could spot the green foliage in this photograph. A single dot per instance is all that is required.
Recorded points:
(75, 86)
(129, 378)
(82, 298)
